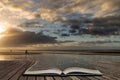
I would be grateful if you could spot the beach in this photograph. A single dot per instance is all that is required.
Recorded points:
(107, 64)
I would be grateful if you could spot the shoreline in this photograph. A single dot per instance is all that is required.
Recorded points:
(69, 53)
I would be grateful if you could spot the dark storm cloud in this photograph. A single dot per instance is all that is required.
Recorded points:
(109, 25)
(107, 21)
(103, 26)
(17, 37)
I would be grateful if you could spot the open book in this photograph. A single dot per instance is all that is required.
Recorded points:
(66, 72)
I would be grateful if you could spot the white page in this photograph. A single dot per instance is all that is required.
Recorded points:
(82, 70)
(48, 71)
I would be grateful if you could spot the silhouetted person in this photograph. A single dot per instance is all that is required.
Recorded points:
(10, 51)
(26, 53)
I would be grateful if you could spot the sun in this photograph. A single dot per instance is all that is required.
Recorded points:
(2, 28)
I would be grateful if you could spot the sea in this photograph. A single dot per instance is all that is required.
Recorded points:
(62, 60)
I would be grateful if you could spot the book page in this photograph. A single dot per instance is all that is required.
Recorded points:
(81, 70)
(40, 72)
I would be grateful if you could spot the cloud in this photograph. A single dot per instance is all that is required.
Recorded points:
(46, 14)
(16, 7)
(17, 37)
(96, 7)
(107, 21)
(54, 15)
(103, 26)
(17, 12)
(55, 10)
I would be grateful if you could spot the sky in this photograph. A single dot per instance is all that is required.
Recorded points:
(59, 24)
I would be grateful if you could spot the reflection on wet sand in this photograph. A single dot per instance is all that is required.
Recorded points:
(2, 58)
(62, 61)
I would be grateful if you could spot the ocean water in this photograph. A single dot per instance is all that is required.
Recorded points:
(62, 61)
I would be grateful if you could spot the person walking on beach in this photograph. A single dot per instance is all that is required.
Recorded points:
(26, 53)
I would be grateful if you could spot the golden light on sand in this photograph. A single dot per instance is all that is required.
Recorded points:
(2, 58)
(1, 36)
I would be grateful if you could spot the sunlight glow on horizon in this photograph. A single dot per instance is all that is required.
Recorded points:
(2, 58)
(2, 29)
